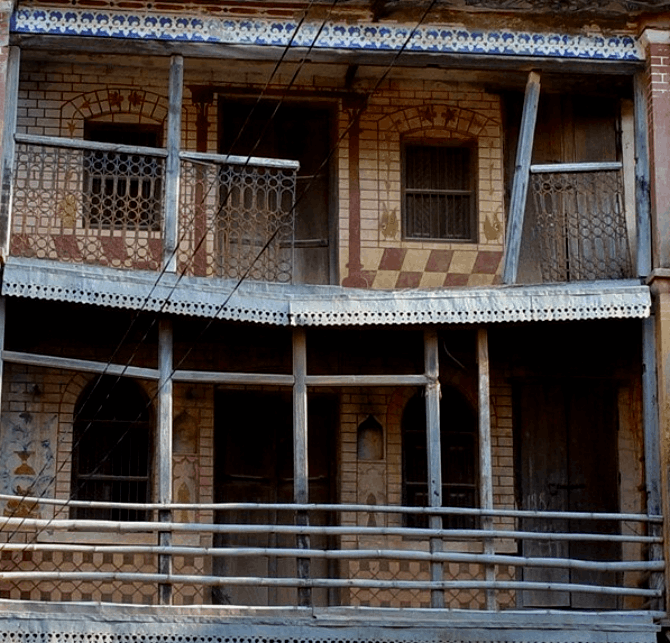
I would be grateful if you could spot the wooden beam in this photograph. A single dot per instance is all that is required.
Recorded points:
(164, 449)
(485, 458)
(8, 150)
(524, 154)
(434, 453)
(300, 454)
(172, 165)
(642, 178)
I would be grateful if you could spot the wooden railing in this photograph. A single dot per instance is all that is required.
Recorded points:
(103, 204)
(248, 554)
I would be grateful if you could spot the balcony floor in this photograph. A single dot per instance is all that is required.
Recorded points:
(99, 623)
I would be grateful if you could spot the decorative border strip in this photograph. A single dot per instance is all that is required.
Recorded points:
(335, 35)
(283, 305)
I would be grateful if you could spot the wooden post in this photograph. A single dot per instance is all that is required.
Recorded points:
(485, 466)
(652, 447)
(164, 449)
(8, 150)
(172, 165)
(300, 458)
(642, 178)
(524, 153)
(434, 454)
(3, 313)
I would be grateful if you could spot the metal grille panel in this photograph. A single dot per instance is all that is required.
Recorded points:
(581, 225)
(237, 221)
(83, 206)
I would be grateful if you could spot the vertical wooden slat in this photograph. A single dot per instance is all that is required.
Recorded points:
(485, 459)
(524, 153)
(642, 178)
(164, 447)
(172, 167)
(434, 453)
(652, 447)
(8, 149)
(300, 458)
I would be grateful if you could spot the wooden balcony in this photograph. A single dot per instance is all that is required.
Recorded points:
(329, 555)
(102, 204)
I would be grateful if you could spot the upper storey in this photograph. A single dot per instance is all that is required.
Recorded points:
(374, 150)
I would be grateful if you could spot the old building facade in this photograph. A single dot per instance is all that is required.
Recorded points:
(334, 320)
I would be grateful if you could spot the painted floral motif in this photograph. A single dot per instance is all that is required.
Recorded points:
(116, 24)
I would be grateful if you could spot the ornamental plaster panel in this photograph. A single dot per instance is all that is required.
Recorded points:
(444, 39)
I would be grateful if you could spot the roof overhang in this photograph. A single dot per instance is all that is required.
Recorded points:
(287, 305)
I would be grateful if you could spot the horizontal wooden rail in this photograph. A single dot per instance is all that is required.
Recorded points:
(92, 146)
(322, 582)
(548, 168)
(327, 508)
(351, 554)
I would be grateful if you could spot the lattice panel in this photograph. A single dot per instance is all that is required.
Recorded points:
(581, 225)
(79, 206)
(237, 220)
(105, 591)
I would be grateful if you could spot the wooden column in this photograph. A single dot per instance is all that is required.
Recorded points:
(434, 454)
(642, 178)
(202, 99)
(172, 166)
(354, 279)
(485, 460)
(164, 448)
(524, 154)
(300, 459)
(8, 149)
(652, 446)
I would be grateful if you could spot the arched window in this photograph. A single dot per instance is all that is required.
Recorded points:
(111, 448)
(459, 450)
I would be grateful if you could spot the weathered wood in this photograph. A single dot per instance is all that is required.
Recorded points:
(395, 509)
(347, 554)
(434, 452)
(231, 159)
(485, 459)
(652, 446)
(300, 453)
(8, 150)
(172, 165)
(95, 146)
(605, 166)
(521, 176)
(83, 365)
(164, 448)
(3, 319)
(642, 178)
(367, 380)
(321, 582)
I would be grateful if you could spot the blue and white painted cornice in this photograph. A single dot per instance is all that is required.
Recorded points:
(332, 35)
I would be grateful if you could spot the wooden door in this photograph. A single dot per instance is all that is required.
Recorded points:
(566, 437)
(254, 463)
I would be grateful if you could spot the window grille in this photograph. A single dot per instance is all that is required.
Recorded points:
(122, 191)
(111, 448)
(438, 193)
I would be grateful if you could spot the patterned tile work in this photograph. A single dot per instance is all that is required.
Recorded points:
(437, 268)
(335, 35)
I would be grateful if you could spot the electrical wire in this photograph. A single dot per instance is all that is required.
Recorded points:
(334, 148)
